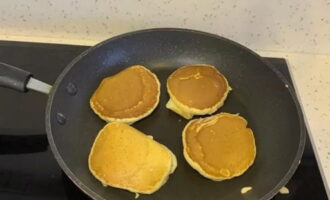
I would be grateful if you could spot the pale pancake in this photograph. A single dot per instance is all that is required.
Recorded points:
(125, 158)
(127, 96)
(196, 90)
(219, 147)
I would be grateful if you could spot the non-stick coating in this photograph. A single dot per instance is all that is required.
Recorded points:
(258, 94)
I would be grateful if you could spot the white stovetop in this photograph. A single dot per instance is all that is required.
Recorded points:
(311, 77)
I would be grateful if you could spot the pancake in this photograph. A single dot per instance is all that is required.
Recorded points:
(127, 96)
(196, 90)
(125, 158)
(219, 147)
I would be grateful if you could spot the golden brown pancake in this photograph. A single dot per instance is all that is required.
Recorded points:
(196, 90)
(219, 147)
(125, 158)
(127, 96)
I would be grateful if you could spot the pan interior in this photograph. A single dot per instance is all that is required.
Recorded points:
(258, 95)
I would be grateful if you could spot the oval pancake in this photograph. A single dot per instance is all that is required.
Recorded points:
(127, 96)
(125, 158)
(219, 147)
(196, 90)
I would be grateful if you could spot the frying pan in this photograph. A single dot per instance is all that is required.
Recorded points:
(260, 94)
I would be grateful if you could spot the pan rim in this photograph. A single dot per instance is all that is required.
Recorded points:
(94, 194)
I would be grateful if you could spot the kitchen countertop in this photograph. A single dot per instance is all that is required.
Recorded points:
(310, 74)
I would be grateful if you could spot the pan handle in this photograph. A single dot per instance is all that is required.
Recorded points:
(20, 80)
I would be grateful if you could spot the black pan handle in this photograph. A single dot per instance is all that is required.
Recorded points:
(20, 80)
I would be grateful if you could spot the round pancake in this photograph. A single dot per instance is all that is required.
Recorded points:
(125, 158)
(196, 90)
(127, 96)
(219, 147)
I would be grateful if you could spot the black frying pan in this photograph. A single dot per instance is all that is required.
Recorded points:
(259, 94)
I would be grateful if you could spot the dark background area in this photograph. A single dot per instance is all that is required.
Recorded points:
(28, 169)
